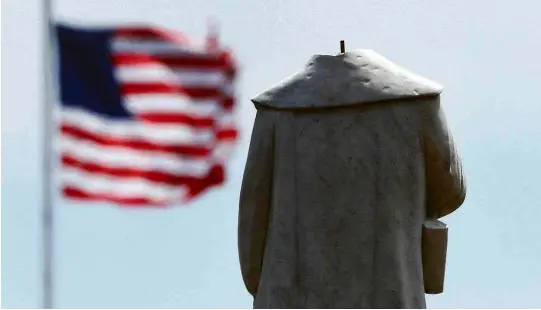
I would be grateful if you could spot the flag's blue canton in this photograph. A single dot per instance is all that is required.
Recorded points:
(86, 73)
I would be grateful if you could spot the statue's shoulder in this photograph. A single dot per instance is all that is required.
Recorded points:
(356, 77)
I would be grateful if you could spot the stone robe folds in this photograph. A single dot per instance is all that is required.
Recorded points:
(347, 159)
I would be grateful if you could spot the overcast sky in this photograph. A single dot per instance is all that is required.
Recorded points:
(485, 53)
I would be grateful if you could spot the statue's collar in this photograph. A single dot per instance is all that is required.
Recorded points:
(356, 77)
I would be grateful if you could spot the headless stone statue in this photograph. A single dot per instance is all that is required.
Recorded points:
(348, 158)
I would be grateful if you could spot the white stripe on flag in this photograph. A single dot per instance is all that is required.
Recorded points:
(148, 103)
(222, 151)
(120, 187)
(226, 120)
(155, 72)
(118, 157)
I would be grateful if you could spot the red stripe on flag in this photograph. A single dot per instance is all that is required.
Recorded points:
(79, 194)
(152, 33)
(129, 88)
(215, 177)
(170, 118)
(81, 134)
(203, 61)
(227, 134)
(228, 103)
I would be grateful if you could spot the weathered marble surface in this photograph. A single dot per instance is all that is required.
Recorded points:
(333, 200)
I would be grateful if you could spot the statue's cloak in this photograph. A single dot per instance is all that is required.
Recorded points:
(347, 159)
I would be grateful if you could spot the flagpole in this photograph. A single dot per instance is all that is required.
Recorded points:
(47, 180)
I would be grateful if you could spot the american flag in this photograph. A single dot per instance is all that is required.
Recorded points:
(146, 114)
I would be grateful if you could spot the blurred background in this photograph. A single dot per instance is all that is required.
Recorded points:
(485, 53)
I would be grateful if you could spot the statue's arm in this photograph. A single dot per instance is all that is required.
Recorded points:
(255, 200)
(445, 182)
